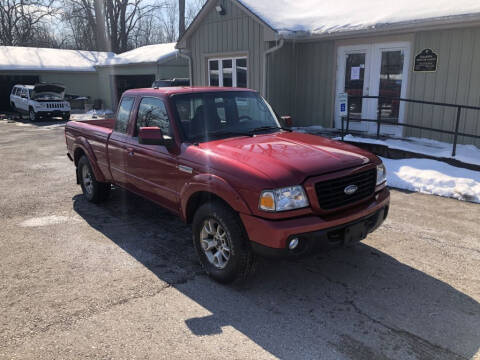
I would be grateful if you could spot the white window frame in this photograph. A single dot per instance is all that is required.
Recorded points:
(220, 69)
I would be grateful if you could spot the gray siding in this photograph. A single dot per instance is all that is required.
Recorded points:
(457, 81)
(314, 83)
(234, 33)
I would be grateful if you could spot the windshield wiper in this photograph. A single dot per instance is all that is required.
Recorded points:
(262, 128)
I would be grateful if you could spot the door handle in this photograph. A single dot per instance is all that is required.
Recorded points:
(130, 152)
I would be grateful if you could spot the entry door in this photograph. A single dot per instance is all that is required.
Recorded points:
(375, 70)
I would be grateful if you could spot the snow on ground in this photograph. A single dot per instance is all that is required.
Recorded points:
(433, 177)
(465, 153)
(91, 114)
(327, 17)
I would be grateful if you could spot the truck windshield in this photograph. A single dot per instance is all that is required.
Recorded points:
(205, 116)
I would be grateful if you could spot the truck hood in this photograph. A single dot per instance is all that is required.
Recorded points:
(48, 92)
(289, 158)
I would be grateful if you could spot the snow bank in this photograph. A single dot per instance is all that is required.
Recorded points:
(325, 17)
(144, 54)
(91, 114)
(465, 153)
(30, 58)
(433, 177)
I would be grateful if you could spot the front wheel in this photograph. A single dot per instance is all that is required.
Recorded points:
(221, 243)
(33, 115)
(66, 116)
(93, 190)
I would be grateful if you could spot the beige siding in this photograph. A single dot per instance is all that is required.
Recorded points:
(457, 81)
(234, 33)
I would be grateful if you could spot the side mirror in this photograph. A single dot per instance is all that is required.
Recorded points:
(150, 136)
(287, 121)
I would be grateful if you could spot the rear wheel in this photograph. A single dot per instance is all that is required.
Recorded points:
(221, 243)
(93, 190)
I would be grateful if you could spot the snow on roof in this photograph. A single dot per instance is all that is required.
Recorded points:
(145, 54)
(29, 58)
(319, 17)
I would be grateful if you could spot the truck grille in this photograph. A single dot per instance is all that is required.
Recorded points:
(54, 106)
(331, 193)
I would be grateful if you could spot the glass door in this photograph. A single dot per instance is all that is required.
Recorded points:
(353, 78)
(373, 70)
(390, 80)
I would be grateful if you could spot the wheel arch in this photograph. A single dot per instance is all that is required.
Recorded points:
(83, 148)
(209, 188)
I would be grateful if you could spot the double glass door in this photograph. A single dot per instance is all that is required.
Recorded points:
(373, 70)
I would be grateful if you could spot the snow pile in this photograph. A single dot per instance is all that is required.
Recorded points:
(433, 177)
(29, 58)
(144, 54)
(92, 114)
(326, 17)
(465, 153)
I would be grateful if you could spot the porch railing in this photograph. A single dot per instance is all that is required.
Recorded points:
(379, 121)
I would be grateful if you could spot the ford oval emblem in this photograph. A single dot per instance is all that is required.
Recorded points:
(350, 189)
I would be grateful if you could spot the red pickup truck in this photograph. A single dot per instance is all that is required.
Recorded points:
(221, 160)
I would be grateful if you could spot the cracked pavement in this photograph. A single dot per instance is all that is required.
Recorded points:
(121, 280)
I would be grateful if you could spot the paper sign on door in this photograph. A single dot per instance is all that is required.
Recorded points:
(355, 73)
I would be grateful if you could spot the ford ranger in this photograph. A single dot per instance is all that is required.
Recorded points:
(223, 161)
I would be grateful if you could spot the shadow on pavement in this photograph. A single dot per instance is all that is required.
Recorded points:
(15, 118)
(346, 303)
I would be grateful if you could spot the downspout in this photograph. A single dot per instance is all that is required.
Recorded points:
(187, 55)
(266, 53)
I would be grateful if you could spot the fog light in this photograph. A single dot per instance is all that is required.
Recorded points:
(293, 243)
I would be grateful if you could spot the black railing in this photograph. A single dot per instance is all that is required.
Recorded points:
(381, 121)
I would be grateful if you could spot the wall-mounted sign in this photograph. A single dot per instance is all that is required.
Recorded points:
(426, 61)
(342, 104)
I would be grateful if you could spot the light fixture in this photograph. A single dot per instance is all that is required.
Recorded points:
(220, 10)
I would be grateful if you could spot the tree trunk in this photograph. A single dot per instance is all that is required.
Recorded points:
(181, 18)
(101, 36)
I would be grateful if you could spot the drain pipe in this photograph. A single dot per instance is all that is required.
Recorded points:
(187, 55)
(265, 54)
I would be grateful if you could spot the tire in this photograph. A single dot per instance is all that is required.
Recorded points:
(240, 262)
(93, 190)
(14, 108)
(66, 116)
(32, 115)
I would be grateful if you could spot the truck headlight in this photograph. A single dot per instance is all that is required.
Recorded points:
(287, 198)
(381, 174)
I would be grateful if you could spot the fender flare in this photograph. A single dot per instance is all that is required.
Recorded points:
(215, 185)
(83, 144)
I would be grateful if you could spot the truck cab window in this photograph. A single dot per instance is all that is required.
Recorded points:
(152, 112)
(124, 114)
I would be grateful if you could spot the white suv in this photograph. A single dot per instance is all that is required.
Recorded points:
(40, 100)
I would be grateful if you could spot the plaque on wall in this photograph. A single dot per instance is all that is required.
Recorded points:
(426, 61)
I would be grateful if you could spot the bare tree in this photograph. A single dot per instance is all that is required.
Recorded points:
(22, 21)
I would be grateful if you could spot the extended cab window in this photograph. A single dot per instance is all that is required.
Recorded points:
(152, 112)
(123, 114)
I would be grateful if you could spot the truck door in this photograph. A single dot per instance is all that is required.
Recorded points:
(152, 168)
(118, 143)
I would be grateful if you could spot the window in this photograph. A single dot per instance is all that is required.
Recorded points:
(152, 112)
(123, 114)
(230, 72)
(225, 113)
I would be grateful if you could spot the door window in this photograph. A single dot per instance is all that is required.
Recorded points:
(390, 86)
(123, 114)
(229, 72)
(152, 112)
(354, 82)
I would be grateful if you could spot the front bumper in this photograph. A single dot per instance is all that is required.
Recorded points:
(53, 113)
(271, 237)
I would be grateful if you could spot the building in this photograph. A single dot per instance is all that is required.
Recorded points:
(98, 75)
(75, 69)
(139, 68)
(302, 54)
